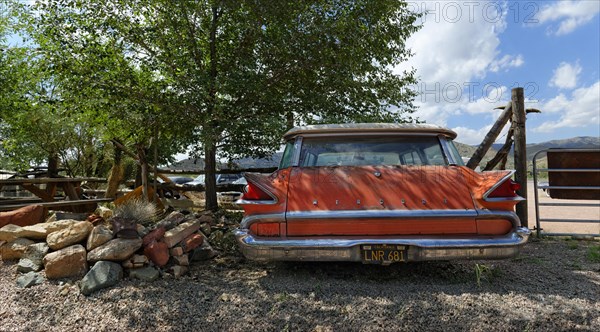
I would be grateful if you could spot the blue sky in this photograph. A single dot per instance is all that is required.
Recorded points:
(469, 54)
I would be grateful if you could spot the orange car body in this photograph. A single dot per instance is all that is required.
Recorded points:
(378, 193)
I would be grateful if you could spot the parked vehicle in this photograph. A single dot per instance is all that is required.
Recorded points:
(378, 193)
(222, 179)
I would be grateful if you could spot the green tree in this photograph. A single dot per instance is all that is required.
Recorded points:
(236, 74)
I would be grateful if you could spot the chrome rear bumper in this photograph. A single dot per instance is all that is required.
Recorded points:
(348, 248)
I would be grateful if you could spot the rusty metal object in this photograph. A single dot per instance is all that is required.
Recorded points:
(124, 228)
(574, 160)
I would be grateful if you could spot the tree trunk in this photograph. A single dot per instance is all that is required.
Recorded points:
(290, 120)
(210, 181)
(144, 166)
(53, 165)
(116, 175)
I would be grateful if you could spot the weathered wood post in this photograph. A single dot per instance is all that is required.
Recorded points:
(518, 119)
(490, 138)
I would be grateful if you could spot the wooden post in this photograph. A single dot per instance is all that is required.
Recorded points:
(518, 119)
(490, 138)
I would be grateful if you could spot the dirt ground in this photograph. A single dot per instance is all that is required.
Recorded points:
(553, 285)
(561, 212)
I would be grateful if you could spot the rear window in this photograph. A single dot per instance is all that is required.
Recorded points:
(371, 151)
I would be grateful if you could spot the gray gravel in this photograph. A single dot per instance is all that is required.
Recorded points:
(553, 285)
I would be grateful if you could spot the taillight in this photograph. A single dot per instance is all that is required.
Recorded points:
(265, 229)
(252, 193)
(507, 188)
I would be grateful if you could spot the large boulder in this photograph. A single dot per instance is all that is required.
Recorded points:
(14, 249)
(53, 226)
(33, 258)
(99, 236)
(68, 236)
(115, 250)
(28, 215)
(102, 275)
(35, 232)
(68, 262)
(10, 232)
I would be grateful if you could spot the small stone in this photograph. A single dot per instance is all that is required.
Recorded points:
(182, 260)
(191, 242)
(176, 251)
(144, 274)
(179, 270)
(30, 279)
(205, 228)
(102, 275)
(158, 253)
(66, 262)
(203, 252)
(173, 219)
(115, 250)
(207, 218)
(180, 232)
(104, 212)
(139, 259)
(155, 235)
(127, 264)
(32, 258)
(69, 236)
(14, 249)
(141, 230)
(98, 236)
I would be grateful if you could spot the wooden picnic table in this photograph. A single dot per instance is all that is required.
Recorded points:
(71, 187)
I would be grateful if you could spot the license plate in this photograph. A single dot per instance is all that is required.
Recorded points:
(383, 254)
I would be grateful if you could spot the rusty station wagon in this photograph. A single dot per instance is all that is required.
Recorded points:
(378, 193)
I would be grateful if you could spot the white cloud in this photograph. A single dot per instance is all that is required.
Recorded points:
(565, 76)
(507, 62)
(569, 14)
(452, 68)
(581, 110)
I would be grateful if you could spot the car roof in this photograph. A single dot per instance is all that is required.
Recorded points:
(357, 128)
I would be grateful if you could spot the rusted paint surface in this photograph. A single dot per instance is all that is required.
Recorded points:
(574, 160)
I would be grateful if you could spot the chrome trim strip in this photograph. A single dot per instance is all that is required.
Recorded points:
(355, 134)
(258, 202)
(504, 178)
(348, 249)
(297, 148)
(380, 214)
(447, 151)
(505, 199)
(249, 220)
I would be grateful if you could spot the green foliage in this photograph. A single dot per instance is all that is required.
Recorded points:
(594, 254)
(484, 272)
(228, 76)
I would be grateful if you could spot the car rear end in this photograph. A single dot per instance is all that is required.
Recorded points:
(379, 198)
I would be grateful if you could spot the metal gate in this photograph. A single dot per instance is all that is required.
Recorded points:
(572, 174)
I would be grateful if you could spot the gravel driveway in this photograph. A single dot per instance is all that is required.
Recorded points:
(553, 285)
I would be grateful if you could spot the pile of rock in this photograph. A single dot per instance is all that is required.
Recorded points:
(67, 248)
